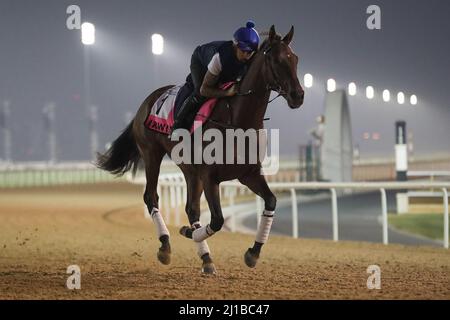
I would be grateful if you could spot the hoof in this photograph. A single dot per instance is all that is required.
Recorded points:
(163, 257)
(209, 268)
(250, 259)
(186, 232)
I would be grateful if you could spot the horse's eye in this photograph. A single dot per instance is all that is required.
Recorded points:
(289, 56)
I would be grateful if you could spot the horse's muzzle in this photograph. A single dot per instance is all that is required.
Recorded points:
(296, 99)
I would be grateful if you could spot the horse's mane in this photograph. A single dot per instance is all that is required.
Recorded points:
(265, 43)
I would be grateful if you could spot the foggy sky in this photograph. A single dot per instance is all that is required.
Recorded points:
(41, 61)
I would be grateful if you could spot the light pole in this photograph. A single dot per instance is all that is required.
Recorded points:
(49, 124)
(93, 115)
(88, 39)
(157, 50)
(6, 133)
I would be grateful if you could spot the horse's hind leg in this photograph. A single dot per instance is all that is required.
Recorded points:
(258, 184)
(194, 192)
(152, 159)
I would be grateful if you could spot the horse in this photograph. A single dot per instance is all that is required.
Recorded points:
(272, 68)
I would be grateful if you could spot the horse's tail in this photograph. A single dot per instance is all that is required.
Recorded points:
(122, 155)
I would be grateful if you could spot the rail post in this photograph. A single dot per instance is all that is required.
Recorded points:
(384, 215)
(294, 213)
(179, 202)
(335, 214)
(444, 190)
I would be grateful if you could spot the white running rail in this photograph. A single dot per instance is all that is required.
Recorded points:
(176, 182)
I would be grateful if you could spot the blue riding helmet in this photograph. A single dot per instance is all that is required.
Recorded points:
(247, 38)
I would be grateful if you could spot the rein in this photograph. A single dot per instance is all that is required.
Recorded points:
(277, 88)
(221, 124)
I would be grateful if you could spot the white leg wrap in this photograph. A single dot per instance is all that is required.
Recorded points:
(264, 226)
(202, 248)
(202, 233)
(159, 223)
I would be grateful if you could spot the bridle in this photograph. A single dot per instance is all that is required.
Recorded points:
(269, 87)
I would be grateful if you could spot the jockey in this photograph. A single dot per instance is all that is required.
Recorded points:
(213, 64)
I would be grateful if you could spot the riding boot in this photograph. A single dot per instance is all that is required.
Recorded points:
(185, 117)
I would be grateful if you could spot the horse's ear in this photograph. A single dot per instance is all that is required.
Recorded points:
(272, 33)
(288, 38)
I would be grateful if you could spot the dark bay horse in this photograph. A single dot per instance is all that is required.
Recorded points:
(273, 68)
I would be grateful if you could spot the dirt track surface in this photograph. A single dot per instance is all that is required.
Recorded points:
(102, 229)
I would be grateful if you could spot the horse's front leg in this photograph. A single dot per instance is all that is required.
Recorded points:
(258, 184)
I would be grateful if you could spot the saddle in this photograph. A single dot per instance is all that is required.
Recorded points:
(161, 115)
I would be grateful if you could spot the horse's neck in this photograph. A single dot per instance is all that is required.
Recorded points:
(249, 111)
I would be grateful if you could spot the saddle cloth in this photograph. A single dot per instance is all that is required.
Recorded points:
(161, 115)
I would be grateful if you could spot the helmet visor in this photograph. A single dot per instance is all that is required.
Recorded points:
(245, 46)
